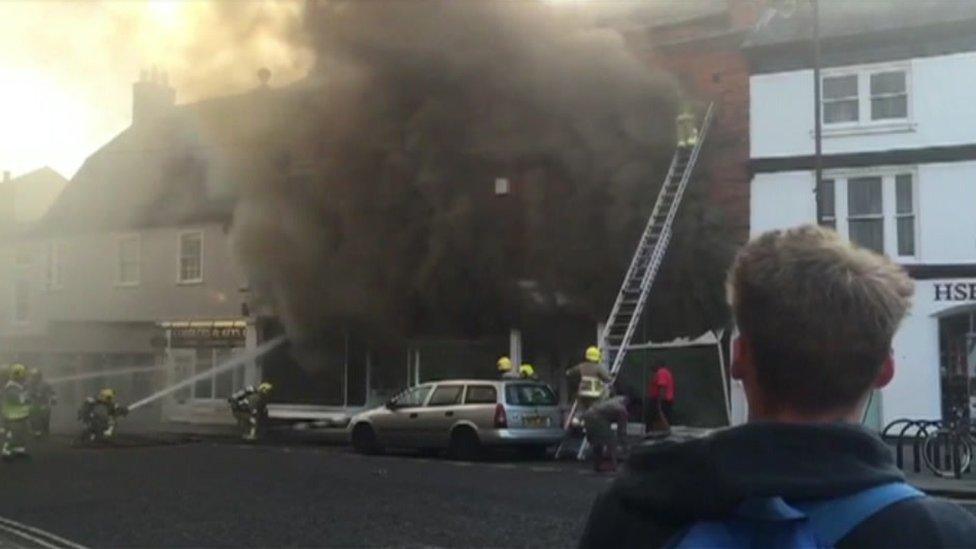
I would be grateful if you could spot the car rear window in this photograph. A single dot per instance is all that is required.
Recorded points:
(481, 394)
(529, 394)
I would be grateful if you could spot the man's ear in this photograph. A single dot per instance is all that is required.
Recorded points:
(741, 357)
(887, 372)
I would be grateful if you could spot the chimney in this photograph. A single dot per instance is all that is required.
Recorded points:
(8, 208)
(152, 96)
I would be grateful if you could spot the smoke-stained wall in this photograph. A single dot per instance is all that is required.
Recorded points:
(382, 211)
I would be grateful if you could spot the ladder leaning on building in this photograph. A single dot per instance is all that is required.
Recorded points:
(644, 266)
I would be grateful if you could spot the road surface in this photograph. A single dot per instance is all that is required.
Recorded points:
(221, 493)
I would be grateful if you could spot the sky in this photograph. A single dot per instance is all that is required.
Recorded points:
(67, 68)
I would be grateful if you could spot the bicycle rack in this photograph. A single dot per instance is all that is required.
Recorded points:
(946, 450)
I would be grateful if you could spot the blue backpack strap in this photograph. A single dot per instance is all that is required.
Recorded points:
(833, 519)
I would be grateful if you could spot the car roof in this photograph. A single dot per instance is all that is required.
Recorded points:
(482, 381)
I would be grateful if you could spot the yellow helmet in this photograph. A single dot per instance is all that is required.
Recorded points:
(504, 364)
(526, 370)
(106, 395)
(593, 354)
(264, 388)
(18, 372)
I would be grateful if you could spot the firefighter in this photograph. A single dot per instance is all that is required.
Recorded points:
(4, 377)
(686, 128)
(16, 413)
(594, 378)
(42, 400)
(100, 415)
(505, 368)
(250, 408)
(598, 421)
(527, 371)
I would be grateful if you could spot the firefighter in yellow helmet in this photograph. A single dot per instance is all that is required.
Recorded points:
(250, 409)
(4, 377)
(594, 378)
(100, 416)
(15, 408)
(505, 368)
(42, 398)
(527, 371)
(686, 127)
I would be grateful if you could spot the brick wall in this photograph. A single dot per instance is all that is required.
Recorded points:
(704, 55)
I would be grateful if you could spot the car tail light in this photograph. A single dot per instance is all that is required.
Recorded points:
(501, 419)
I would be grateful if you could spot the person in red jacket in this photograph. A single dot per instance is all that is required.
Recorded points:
(660, 396)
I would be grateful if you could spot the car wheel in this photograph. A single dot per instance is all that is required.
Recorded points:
(364, 439)
(464, 445)
(535, 452)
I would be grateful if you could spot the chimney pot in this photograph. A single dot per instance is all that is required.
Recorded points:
(152, 97)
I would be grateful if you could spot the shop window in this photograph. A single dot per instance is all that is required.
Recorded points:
(957, 364)
(204, 388)
(216, 385)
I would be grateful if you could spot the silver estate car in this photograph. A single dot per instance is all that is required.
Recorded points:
(463, 416)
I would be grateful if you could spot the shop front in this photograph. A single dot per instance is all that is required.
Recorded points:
(935, 354)
(193, 350)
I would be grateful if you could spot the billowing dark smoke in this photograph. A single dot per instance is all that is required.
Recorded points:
(380, 210)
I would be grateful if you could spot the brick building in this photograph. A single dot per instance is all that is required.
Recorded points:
(699, 43)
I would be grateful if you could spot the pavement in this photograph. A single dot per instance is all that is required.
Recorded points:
(183, 491)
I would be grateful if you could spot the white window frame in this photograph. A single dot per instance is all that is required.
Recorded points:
(55, 265)
(888, 205)
(119, 239)
(179, 257)
(865, 124)
(913, 214)
(15, 313)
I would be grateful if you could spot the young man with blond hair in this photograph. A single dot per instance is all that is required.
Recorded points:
(816, 318)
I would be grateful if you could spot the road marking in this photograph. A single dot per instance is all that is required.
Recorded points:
(502, 465)
(36, 535)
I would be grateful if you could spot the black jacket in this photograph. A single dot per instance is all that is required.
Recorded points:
(669, 486)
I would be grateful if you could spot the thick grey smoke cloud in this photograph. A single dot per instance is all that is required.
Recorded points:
(379, 211)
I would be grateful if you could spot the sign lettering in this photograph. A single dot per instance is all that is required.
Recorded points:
(955, 291)
(230, 336)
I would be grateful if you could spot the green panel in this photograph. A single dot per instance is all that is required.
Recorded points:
(699, 399)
